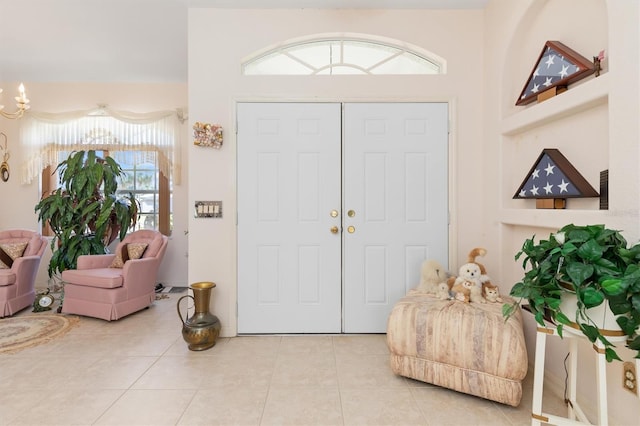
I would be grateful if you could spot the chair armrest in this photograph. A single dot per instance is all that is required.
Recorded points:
(139, 275)
(95, 261)
(26, 269)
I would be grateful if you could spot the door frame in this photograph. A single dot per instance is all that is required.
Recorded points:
(452, 149)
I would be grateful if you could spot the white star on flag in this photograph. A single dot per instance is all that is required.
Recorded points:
(563, 186)
(549, 169)
(549, 61)
(549, 188)
(565, 71)
(534, 190)
(535, 174)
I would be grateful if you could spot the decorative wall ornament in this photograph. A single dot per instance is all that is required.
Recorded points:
(552, 180)
(557, 67)
(4, 165)
(208, 135)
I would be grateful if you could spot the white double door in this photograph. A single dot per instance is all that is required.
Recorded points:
(338, 205)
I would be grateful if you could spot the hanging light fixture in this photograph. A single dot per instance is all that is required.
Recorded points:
(21, 102)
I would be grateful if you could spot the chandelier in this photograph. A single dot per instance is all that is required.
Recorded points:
(22, 103)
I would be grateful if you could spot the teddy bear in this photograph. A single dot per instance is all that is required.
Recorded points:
(469, 281)
(471, 258)
(431, 274)
(442, 291)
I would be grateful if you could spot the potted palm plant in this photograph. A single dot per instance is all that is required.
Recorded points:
(595, 266)
(85, 213)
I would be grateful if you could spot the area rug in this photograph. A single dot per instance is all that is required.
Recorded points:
(23, 332)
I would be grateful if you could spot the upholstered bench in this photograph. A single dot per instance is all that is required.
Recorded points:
(467, 347)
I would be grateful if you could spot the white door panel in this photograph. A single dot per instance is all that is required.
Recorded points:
(289, 276)
(395, 182)
(294, 275)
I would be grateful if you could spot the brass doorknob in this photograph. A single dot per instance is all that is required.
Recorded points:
(351, 213)
(334, 213)
(351, 229)
(334, 230)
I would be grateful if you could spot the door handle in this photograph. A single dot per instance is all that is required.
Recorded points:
(334, 230)
(351, 229)
(334, 213)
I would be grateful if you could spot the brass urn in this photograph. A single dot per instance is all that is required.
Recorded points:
(201, 330)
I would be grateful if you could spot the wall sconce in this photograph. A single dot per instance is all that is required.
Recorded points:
(22, 103)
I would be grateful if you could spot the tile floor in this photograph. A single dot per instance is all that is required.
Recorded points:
(139, 371)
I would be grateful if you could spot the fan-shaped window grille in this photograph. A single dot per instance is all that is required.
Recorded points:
(341, 56)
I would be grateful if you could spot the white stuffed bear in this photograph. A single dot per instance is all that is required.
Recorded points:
(431, 274)
(470, 273)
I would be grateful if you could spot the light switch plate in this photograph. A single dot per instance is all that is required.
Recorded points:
(208, 209)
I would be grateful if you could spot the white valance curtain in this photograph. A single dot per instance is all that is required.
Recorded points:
(43, 135)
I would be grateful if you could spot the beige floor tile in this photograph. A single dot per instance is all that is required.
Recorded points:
(366, 371)
(229, 407)
(379, 407)
(147, 407)
(302, 406)
(317, 369)
(47, 372)
(446, 407)
(110, 372)
(366, 344)
(245, 345)
(306, 345)
(176, 372)
(251, 371)
(68, 407)
(17, 402)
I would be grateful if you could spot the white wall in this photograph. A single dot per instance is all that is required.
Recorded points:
(18, 200)
(594, 124)
(218, 42)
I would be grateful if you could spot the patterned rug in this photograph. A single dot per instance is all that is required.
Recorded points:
(23, 332)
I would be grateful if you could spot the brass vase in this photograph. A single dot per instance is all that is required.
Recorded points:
(203, 328)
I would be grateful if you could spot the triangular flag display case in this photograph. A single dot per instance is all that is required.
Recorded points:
(556, 68)
(552, 180)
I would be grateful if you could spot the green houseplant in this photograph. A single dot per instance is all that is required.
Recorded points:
(591, 262)
(85, 213)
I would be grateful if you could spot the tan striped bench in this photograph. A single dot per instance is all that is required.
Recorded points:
(467, 347)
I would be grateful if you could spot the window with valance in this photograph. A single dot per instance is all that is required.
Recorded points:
(44, 135)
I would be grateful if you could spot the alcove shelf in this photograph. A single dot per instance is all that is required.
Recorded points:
(552, 219)
(579, 97)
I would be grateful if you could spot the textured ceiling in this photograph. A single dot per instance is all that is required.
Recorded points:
(128, 40)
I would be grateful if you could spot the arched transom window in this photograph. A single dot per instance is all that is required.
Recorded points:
(332, 56)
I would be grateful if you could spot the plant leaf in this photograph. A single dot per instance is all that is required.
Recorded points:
(579, 272)
(610, 354)
(612, 287)
(591, 297)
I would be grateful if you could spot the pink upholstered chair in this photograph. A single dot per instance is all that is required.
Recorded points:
(111, 286)
(21, 253)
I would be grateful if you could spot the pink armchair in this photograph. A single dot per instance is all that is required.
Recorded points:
(21, 250)
(111, 286)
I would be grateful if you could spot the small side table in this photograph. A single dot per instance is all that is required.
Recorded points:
(574, 410)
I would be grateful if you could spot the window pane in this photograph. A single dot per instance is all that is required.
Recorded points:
(276, 64)
(315, 54)
(340, 57)
(145, 180)
(406, 64)
(366, 54)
